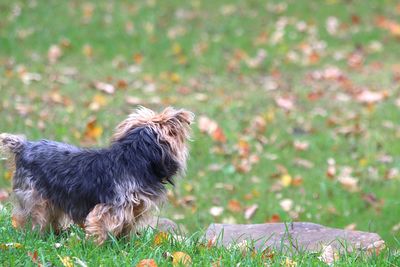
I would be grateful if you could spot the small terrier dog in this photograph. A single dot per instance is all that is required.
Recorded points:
(108, 190)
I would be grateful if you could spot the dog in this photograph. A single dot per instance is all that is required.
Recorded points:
(110, 190)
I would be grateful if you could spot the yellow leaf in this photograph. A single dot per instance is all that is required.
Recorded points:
(8, 175)
(176, 48)
(87, 51)
(138, 58)
(363, 162)
(147, 263)
(66, 261)
(289, 263)
(93, 131)
(175, 77)
(180, 258)
(160, 238)
(286, 180)
(98, 101)
(10, 245)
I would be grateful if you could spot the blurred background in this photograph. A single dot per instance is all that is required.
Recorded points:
(297, 101)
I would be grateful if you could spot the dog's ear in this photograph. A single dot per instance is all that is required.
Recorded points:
(184, 116)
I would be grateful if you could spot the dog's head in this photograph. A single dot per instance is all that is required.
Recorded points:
(171, 128)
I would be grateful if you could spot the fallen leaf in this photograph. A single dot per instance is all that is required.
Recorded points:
(370, 97)
(98, 102)
(297, 181)
(286, 180)
(285, 103)
(147, 263)
(137, 58)
(219, 136)
(87, 51)
(286, 204)
(209, 126)
(300, 145)
(289, 263)
(351, 227)
(132, 100)
(160, 238)
(303, 163)
(349, 183)
(328, 256)
(250, 211)
(180, 258)
(275, 218)
(3, 194)
(34, 257)
(105, 87)
(267, 254)
(80, 262)
(10, 245)
(216, 211)
(54, 54)
(92, 131)
(234, 206)
(66, 261)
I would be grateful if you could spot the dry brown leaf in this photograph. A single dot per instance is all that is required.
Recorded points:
(218, 135)
(210, 127)
(275, 218)
(87, 51)
(93, 131)
(34, 257)
(234, 206)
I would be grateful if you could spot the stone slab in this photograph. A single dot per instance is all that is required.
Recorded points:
(293, 237)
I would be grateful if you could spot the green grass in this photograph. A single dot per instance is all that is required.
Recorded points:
(210, 60)
(29, 248)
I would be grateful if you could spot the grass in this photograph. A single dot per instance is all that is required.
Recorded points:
(29, 248)
(198, 55)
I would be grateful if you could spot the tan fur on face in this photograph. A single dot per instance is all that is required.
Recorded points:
(171, 124)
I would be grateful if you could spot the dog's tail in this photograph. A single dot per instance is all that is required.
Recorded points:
(11, 144)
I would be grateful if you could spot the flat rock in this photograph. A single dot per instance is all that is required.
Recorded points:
(293, 237)
(164, 225)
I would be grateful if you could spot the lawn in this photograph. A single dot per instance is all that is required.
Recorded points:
(297, 105)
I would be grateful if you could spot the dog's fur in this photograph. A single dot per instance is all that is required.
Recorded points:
(109, 190)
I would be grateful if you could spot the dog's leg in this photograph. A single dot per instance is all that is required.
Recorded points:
(18, 218)
(41, 214)
(103, 220)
